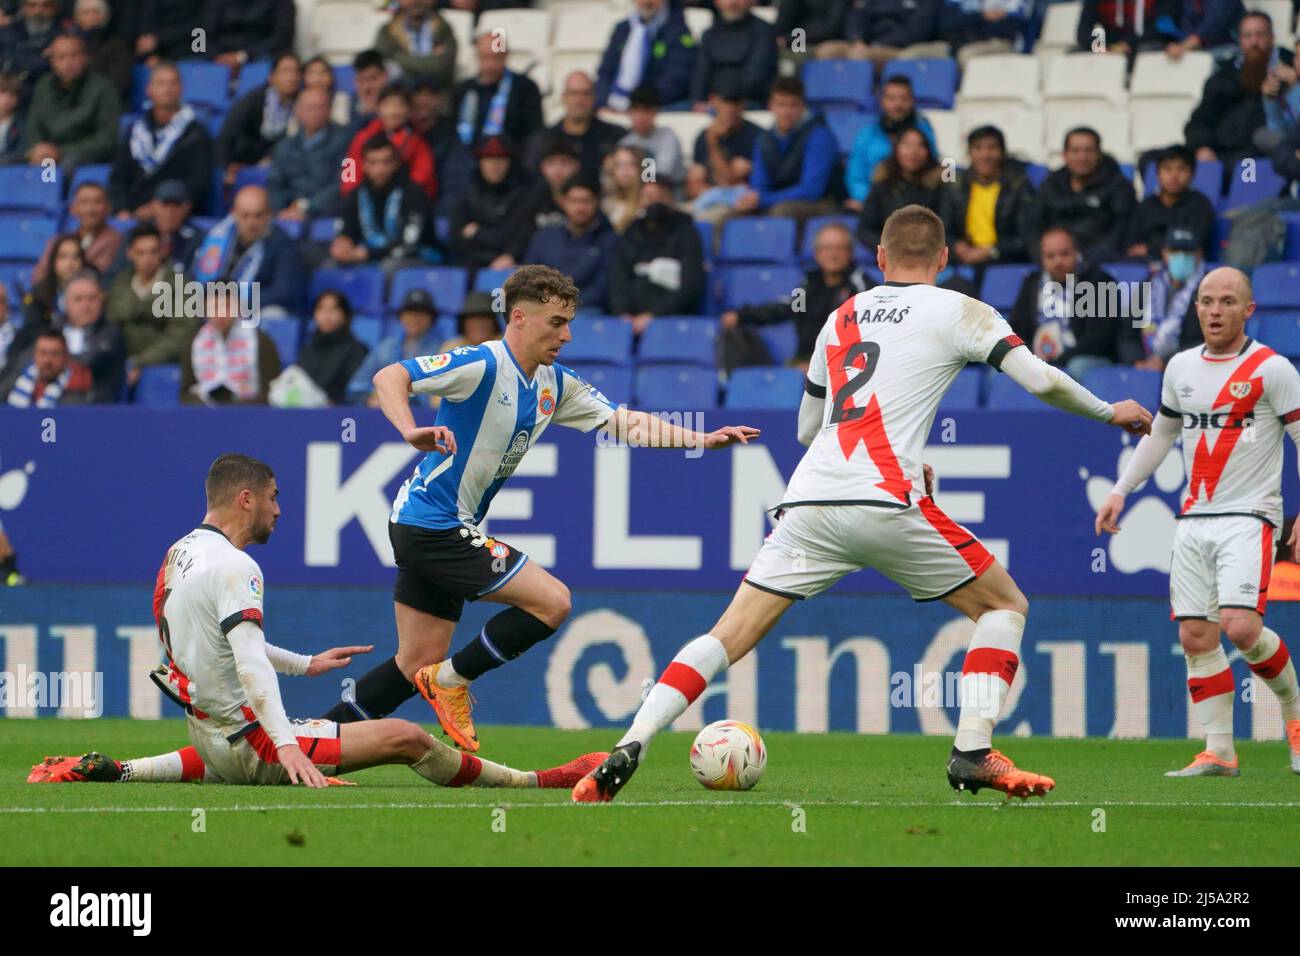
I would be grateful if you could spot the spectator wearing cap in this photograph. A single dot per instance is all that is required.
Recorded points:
(658, 263)
(72, 118)
(417, 337)
(303, 182)
(49, 378)
(259, 119)
(1171, 321)
(231, 361)
(496, 101)
(24, 40)
(476, 323)
(151, 338)
(388, 219)
(485, 225)
(167, 141)
(658, 142)
(452, 160)
(1175, 205)
(1090, 196)
(737, 53)
(170, 213)
(875, 140)
(394, 122)
(886, 30)
(332, 354)
(248, 247)
(593, 138)
(166, 28)
(988, 211)
(651, 47)
(420, 42)
(583, 248)
(559, 164)
(723, 153)
(982, 27)
(99, 241)
(249, 30)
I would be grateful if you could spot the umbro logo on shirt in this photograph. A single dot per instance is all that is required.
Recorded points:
(1186, 391)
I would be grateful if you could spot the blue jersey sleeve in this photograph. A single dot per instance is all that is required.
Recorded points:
(581, 405)
(453, 375)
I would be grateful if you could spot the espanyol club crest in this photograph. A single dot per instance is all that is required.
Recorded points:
(1239, 390)
(546, 403)
(499, 550)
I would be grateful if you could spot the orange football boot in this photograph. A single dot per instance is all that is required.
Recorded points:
(451, 704)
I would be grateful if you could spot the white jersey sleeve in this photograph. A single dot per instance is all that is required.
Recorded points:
(816, 379)
(581, 405)
(239, 591)
(453, 375)
(1168, 389)
(1282, 389)
(981, 334)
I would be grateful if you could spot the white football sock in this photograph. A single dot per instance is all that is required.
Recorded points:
(990, 666)
(680, 684)
(453, 768)
(447, 676)
(175, 767)
(1271, 662)
(1210, 684)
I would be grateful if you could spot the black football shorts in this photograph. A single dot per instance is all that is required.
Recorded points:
(438, 571)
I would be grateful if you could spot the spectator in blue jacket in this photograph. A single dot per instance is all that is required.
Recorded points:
(875, 141)
(982, 27)
(304, 177)
(583, 247)
(248, 247)
(738, 51)
(1197, 24)
(661, 53)
(417, 337)
(885, 30)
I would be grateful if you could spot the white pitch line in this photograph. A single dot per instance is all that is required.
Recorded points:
(240, 808)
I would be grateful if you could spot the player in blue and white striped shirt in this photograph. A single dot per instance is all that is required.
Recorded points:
(497, 399)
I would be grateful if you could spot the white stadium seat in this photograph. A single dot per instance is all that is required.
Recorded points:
(947, 133)
(765, 13)
(1280, 12)
(1111, 123)
(698, 19)
(1084, 78)
(462, 27)
(339, 31)
(1155, 75)
(687, 126)
(1060, 29)
(1022, 128)
(584, 28)
(760, 118)
(1008, 76)
(1158, 122)
(524, 29)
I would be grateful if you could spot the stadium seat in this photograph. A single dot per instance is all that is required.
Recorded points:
(698, 20)
(662, 388)
(446, 284)
(1291, 249)
(285, 333)
(488, 279)
(672, 338)
(1111, 123)
(686, 126)
(1207, 179)
(767, 14)
(90, 173)
(964, 393)
(934, 82)
(1084, 78)
(30, 188)
(947, 132)
(1002, 284)
(758, 239)
(845, 126)
(705, 231)
(840, 83)
(1037, 172)
(462, 28)
(525, 30)
(765, 388)
(599, 340)
(205, 82)
(17, 277)
(23, 236)
(1280, 331)
(749, 285)
(363, 285)
(1277, 285)
(368, 329)
(584, 28)
(1157, 123)
(339, 31)
(1023, 128)
(1267, 184)
(1010, 76)
(293, 228)
(255, 73)
(782, 340)
(1128, 271)
(1281, 12)
(324, 230)
(446, 327)
(1119, 381)
(1060, 27)
(252, 176)
(1004, 395)
(159, 386)
(1155, 75)
(614, 381)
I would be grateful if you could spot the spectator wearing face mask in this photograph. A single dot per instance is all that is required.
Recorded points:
(1171, 321)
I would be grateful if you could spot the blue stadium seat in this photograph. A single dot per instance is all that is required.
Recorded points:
(840, 83)
(1277, 285)
(934, 81)
(363, 285)
(672, 388)
(345, 79)
(90, 173)
(1207, 179)
(23, 236)
(1004, 395)
(1128, 271)
(614, 381)
(159, 386)
(368, 329)
(1268, 184)
(324, 230)
(252, 176)
(671, 338)
(488, 279)
(1036, 174)
(750, 285)
(1002, 284)
(293, 228)
(203, 223)
(781, 339)
(285, 333)
(204, 81)
(1114, 382)
(445, 283)
(1291, 249)
(606, 339)
(1218, 238)
(964, 393)
(253, 74)
(25, 187)
(18, 278)
(139, 80)
(446, 327)
(765, 387)
(758, 239)
(705, 231)
(1280, 331)
(124, 226)
(845, 126)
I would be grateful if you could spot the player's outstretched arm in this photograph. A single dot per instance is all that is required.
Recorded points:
(1053, 386)
(644, 430)
(313, 665)
(393, 389)
(1148, 455)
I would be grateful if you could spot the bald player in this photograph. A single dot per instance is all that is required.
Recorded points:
(1230, 399)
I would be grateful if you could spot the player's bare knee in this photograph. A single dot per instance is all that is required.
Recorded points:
(1242, 629)
(409, 740)
(1197, 636)
(559, 602)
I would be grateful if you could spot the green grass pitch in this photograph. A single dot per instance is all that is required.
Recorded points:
(864, 801)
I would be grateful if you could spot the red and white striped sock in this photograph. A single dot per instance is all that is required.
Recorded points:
(453, 768)
(680, 684)
(1210, 683)
(991, 664)
(1271, 661)
(179, 766)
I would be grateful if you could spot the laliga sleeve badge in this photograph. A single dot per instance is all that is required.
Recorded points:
(431, 363)
(255, 587)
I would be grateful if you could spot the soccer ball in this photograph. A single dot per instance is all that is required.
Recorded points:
(728, 755)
